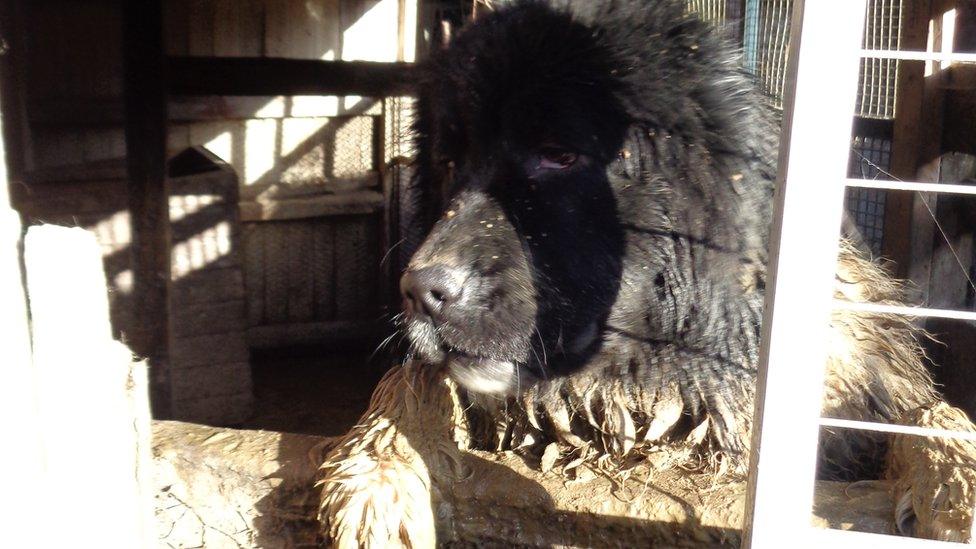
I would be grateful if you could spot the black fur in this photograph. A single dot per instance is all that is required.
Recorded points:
(645, 258)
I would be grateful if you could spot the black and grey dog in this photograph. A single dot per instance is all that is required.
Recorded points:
(606, 170)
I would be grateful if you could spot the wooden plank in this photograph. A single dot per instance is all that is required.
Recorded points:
(357, 267)
(211, 380)
(901, 215)
(145, 134)
(301, 284)
(351, 203)
(208, 350)
(266, 76)
(218, 410)
(302, 29)
(254, 280)
(238, 28)
(276, 272)
(353, 332)
(959, 77)
(219, 317)
(213, 285)
(959, 132)
(201, 28)
(13, 93)
(323, 270)
(176, 26)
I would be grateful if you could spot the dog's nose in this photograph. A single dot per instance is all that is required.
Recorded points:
(431, 290)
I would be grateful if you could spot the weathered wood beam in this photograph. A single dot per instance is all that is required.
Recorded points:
(270, 76)
(908, 230)
(960, 106)
(145, 136)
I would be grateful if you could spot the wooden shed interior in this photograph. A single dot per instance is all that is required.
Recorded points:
(246, 167)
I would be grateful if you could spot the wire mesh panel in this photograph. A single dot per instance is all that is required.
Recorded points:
(772, 35)
(870, 159)
(876, 86)
(725, 14)
(767, 35)
(713, 11)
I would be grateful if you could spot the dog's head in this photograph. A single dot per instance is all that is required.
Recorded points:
(529, 121)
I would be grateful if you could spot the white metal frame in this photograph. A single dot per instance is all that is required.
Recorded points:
(820, 97)
(819, 101)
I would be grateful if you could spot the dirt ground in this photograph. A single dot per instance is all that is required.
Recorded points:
(312, 390)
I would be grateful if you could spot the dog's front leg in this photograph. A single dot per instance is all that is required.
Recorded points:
(934, 478)
(379, 483)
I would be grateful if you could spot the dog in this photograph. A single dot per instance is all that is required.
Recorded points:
(596, 278)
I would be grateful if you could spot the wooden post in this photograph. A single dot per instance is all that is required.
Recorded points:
(908, 225)
(145, 136)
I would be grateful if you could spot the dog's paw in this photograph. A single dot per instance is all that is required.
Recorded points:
(376, 501)
(939, 506)
(935, 478)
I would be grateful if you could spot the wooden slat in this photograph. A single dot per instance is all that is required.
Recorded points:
(201, 28)
(301, 285)
(13, 94)
(253, 241)
(145, 134)
(907, 230)
(323, 271)
(959, 77)
(364, 332)
(302, 29)
(238, 28)
(272, 76)
(350, 203)
(356, 267)
(276, 272)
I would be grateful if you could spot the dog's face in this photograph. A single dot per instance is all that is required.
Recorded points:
(518, 122)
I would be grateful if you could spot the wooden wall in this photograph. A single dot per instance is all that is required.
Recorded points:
(71, 66)
(311, 169)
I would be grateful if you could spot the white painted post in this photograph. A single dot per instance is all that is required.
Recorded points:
(20, 459)
(93, 400)
(819, 106)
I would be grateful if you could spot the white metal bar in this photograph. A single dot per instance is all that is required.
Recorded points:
(814, 150)
(905, 310)
(897, 429)
(944, 57)
(912, 186)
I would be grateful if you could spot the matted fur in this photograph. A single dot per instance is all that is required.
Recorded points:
(629, 329)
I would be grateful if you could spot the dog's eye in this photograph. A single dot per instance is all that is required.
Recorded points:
(553, 158)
